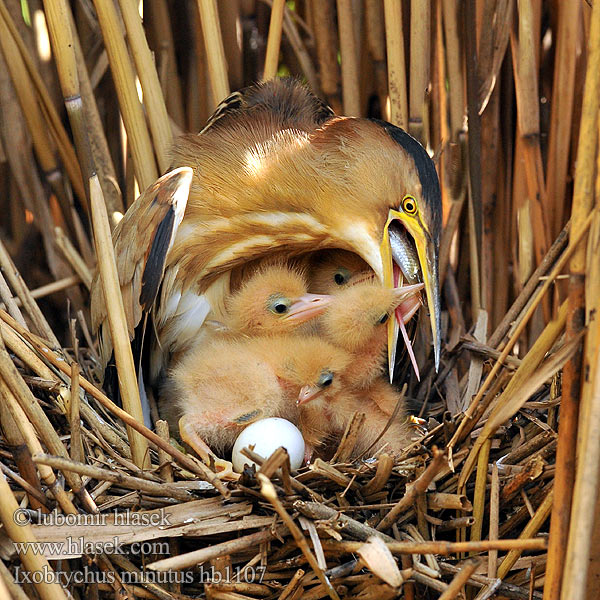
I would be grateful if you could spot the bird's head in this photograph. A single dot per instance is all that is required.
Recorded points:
(274, 300)
(382, 197)
(313, 368)
(358, 314)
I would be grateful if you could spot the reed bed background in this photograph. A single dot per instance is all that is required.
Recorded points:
(490, 501)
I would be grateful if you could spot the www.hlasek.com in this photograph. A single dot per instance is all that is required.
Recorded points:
(77, 546)
(91, 575)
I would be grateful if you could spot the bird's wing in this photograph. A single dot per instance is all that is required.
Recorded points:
(142, 241)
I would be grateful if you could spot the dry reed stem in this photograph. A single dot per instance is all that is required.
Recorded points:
(213, 42)
(134, 121)
(22, 291)
(349, 57)
(107, 267)
(519, 330)
(480, 489)
(444, 548)
(418, 487)
(528, 377)
(274, 40)
(326, 45)
(460, 579)
(10, 302)
(197, 557)
(77, 453)
(563, 95)
(534, 525)
(47, 588)
(587, 475)
(268, 491)
(453, 60)
(152, 488)
(154, 102)
(420, 36)
(396, 63)
(73, 257)
(58, 362)
(582, 205)
(57, 130)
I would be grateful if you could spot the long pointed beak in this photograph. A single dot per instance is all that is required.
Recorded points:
(308, 307)
(428, 260)
(308, 393)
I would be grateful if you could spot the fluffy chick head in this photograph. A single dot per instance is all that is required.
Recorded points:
(268, 302)
(332, 270)
(359, 313)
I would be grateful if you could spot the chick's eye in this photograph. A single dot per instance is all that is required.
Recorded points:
(341, 276)
(409, 205)
(383, 319)
(279, 306)
(326, 379)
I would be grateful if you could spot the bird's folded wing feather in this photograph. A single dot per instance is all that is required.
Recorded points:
(142, 240)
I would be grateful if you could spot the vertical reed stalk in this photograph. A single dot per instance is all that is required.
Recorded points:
(349, 54)
(394, 35)
(274, 40)
(213, 42)
(569, 411)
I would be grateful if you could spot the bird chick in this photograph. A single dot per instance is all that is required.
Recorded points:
(273, 300)
(333, 270)
(218, 391)
(356, 322)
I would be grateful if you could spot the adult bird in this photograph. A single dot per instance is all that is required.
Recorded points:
(276, 172)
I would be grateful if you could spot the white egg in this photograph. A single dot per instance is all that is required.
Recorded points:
(266, 436)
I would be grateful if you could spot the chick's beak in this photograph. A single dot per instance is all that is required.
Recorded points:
(307, 307)
(308, 393)
(428, 261)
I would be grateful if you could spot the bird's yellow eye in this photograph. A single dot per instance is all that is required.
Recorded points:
(409, 205)
(279, 305)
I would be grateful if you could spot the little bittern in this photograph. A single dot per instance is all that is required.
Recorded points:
(275, 171)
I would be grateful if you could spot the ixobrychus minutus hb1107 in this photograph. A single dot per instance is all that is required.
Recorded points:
(274, 171)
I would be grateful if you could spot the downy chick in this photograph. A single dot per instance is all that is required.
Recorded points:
(238, 381)
(356, 322)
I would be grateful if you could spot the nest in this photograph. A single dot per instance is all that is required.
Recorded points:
(465, 509)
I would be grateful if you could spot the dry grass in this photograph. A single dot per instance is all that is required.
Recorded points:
(488, 499)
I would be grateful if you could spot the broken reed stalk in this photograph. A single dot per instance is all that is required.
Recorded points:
(138, 137)
(569, 411)
(274, 40)
(349, 59)
(48, 587)
(394, 35)
(154, 101)
(215, 54)
(107, 267)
